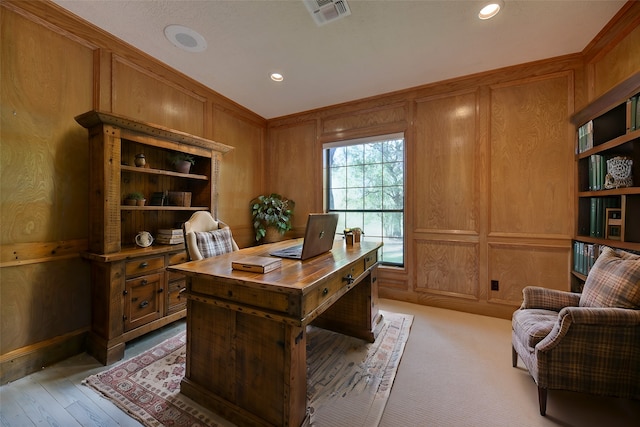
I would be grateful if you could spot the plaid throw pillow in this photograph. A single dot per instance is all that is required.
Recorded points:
(614, 281)
(212, 243)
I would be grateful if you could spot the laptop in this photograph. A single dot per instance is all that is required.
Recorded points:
(318, 237)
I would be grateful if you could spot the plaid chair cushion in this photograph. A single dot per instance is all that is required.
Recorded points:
(216, 242)
(533, 325)
(614, 281)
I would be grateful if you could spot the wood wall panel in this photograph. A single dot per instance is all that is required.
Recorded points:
(516, 266)
(37, 304)
(447, 268)
(293, 167)
(531, 157)
(147, 97)
(335, 126)
(44, 170)
(54, 67)
(620, 62)
(241, 170)
(444, 165)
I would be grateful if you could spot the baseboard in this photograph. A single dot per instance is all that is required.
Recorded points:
(27, 360)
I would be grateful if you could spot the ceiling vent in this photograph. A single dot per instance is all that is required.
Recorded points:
(325, 11)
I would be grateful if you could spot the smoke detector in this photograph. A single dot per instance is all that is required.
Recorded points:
(325, 11)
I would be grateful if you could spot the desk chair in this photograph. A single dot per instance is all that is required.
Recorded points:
(205, 237)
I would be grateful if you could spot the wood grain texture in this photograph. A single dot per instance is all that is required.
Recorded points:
(293, 166)
(134, 88)
(620, 62)
(445, 166)
(516, 266)
(241, 172)
(531, 157)
(44, 170)
(447, 268)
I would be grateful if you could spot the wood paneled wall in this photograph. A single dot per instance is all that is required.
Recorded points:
(55, 67)
(490, 171)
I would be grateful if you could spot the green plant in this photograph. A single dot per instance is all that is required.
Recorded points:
(179, 156)
(135, 196)
(271, 211)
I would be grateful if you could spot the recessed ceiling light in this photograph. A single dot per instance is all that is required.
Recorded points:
(489, 10)
(276, 77)
(185, 38)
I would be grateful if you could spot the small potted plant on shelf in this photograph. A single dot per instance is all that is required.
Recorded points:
(271, 216)
(134, 199)
(182, 162)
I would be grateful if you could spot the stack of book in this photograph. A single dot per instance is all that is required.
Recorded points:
(635, 112)
(597, 217)
(584, 256)
(170, 236)
(585, 137)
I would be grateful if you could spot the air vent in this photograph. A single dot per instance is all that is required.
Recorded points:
(325, 11)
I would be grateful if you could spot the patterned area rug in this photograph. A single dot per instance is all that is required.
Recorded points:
(348, 380)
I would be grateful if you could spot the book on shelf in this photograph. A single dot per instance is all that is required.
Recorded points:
(170, 232)
(170, 236)
(597, 214)
(585, 137)
(635, 113)
(584, 256)
(597, 172)
(257, 264)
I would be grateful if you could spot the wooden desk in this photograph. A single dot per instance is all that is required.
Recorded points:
(246, 332)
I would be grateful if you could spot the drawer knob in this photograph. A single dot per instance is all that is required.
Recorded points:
(144, 303)
(144, 264)
(348, 278)
(325, 291)
(144, 282)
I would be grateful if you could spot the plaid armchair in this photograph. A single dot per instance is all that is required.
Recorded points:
(587, 342)
(205, 237)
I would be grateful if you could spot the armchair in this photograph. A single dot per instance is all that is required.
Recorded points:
(205, 236)
(587, 342)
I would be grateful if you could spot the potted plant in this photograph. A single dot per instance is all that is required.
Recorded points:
(271, 216)
(182, 162)
(134, 199)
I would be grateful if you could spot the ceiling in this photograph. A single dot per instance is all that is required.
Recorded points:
(383, 46)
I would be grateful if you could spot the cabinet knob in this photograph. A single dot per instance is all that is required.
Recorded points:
(160, 290)
(144, 264)
(144, 303)
(144, 282)
(348, 278)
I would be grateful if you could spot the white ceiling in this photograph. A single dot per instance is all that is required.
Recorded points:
(383, 46)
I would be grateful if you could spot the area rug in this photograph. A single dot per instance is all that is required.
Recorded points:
(348, 379)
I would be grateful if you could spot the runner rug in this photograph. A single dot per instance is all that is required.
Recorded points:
(348, 379)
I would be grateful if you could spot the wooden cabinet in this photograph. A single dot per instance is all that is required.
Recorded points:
(132, 293)
(608, 202)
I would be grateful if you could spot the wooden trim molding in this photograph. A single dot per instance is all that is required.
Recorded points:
(15, 254)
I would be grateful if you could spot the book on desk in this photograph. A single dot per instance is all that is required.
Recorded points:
(257, 264)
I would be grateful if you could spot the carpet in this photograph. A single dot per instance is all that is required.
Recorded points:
(348, 379)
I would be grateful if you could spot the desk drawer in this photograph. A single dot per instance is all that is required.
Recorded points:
(143, 266)
(342, 281)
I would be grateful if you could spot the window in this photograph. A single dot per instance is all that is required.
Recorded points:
(365, 185)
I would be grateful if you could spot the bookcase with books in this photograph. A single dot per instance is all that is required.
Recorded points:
(608, 176)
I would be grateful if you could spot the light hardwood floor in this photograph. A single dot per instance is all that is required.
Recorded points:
(55, 396)
(455, 372)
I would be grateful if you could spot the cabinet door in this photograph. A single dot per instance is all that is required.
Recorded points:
(144, 300)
